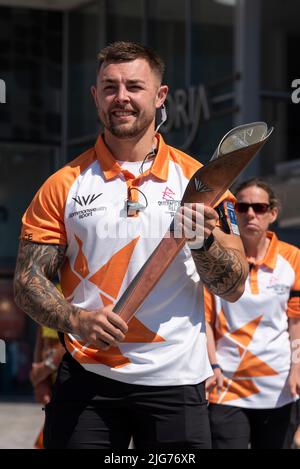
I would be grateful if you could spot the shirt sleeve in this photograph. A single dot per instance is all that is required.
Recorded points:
(43, 221)
(228, 197)
(293, 310)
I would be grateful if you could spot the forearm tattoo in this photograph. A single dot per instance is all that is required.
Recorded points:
(37, 264)
(221, 269)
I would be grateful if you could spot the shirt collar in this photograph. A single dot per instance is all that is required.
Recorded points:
(111, 168)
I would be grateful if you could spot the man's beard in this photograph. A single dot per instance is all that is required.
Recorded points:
(123, 130)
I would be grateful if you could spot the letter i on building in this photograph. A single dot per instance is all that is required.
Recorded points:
(2, 92)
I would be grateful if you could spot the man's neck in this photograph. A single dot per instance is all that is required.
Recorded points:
(131, 149)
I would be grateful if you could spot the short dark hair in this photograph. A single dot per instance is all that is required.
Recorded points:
(122, 51)
(257, 182)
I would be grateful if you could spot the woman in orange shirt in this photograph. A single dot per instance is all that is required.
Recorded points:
(254, 343)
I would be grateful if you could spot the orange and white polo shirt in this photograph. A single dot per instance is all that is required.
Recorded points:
(252, 339)
(83, 206)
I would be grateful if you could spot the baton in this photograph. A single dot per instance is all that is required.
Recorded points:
(234, 152)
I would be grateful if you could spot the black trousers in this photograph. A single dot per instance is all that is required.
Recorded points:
(236, 428)
(90, 411)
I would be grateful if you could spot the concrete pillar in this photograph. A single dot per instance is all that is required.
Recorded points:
(247, 63)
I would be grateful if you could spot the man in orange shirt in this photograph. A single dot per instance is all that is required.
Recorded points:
(93, 221)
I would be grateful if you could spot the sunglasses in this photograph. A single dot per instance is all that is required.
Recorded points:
(258, 207)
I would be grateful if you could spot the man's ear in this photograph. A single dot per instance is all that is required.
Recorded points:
(94, 94)
(161, 95)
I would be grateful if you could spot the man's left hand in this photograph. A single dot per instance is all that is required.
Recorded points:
(196, 221)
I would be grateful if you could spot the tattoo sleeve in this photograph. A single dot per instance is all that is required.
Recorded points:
(221, 269)
(36, 266)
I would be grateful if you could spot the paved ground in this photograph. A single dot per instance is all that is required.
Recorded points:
(20, 424)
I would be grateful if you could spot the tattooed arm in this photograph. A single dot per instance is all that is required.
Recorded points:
(36, 266)
(223, 268)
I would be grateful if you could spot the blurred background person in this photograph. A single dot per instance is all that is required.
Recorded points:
(48, 353)
(252, 343)
(296, 443)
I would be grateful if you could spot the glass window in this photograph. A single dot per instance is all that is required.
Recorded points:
(84, 45)
(30, 64)
(212, 66)
(78, 148)
(22, 171)
(166, 34)
(212, 40)
(166, 25)
(199, 108)
(124, 20)
(280, 65)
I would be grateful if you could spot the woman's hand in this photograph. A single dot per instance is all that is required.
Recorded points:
(216, 380)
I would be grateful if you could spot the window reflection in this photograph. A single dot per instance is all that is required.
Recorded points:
(166, 32)
(22, 171)
(212, 62)
(124, 18)
(30, 64)
(83, 48)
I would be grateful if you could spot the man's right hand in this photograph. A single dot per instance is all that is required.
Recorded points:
(102, 327)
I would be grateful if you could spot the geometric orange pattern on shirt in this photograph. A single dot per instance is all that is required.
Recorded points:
(252, 366)
(105, 300)
(249, 366)
(115, 269)
(69, 280)
(245, 334)
(221, 326)
(110, 276)
(92, 355)
(238, 389)
(139, 333)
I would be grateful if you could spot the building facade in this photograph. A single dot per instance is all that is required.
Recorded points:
(228, 62)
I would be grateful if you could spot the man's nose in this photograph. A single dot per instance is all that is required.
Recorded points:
(122, 95)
